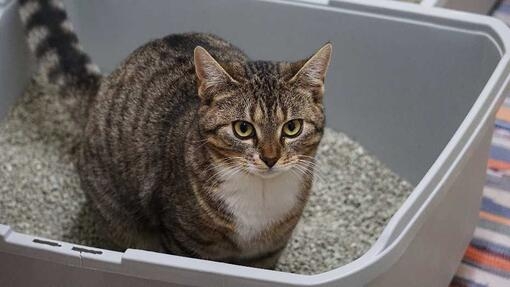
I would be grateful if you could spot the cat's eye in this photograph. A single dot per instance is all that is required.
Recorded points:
(293, 128)
(243, 130)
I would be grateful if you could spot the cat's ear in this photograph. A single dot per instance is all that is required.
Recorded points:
(313, 72)
(209, 72)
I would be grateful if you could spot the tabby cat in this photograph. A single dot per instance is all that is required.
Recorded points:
(188, 146)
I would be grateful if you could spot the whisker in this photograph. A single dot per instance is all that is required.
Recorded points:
(306, 156)
(222, 163)
(297, 175)
(224, 168)
(216, 178)
(311, 169)
(229, 174)
(303, 170)
(311, 163)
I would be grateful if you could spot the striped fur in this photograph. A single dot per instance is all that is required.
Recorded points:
(159, 158)
(50, 36)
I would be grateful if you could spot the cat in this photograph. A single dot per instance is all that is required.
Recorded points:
(188, 146)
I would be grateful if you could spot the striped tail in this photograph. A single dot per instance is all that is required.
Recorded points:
(51, 38)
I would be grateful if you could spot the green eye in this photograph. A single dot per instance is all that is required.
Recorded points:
(243, 130)
(292, 129)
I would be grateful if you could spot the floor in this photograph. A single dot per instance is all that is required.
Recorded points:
(487, 259)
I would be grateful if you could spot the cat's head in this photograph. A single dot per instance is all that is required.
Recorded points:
(262, 118)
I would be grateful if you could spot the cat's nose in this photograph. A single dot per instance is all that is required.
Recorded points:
(269, 161)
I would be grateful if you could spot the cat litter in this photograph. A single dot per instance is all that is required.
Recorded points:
(353, 197)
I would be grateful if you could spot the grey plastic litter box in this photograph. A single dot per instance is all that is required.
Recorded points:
(417, 86)
(476, 6)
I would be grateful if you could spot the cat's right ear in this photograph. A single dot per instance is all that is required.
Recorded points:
(209, 72)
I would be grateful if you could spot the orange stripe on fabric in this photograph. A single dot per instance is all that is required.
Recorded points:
(487, 259)
(494, 218)
(498, 164)
(503, 114)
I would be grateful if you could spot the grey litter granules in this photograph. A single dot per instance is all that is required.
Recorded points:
(40, 191)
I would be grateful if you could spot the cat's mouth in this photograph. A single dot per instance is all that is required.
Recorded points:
(269, 172)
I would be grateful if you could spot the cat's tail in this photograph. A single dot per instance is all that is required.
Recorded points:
(60, 59)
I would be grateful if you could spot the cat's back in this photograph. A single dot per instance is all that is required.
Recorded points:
(221, 49)
(169, 57)
(173, 55)
(155, 84)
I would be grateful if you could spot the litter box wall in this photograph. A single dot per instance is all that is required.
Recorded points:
(419, 88)
(475, 6)
(14, 69)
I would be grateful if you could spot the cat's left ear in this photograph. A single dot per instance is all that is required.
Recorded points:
(209, 72)
(313, 72)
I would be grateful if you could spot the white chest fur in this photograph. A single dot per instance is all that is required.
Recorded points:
(257, 202)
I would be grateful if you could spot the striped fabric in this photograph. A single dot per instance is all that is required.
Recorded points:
(487, 259)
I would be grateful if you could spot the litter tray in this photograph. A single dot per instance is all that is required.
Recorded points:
(417, 86)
